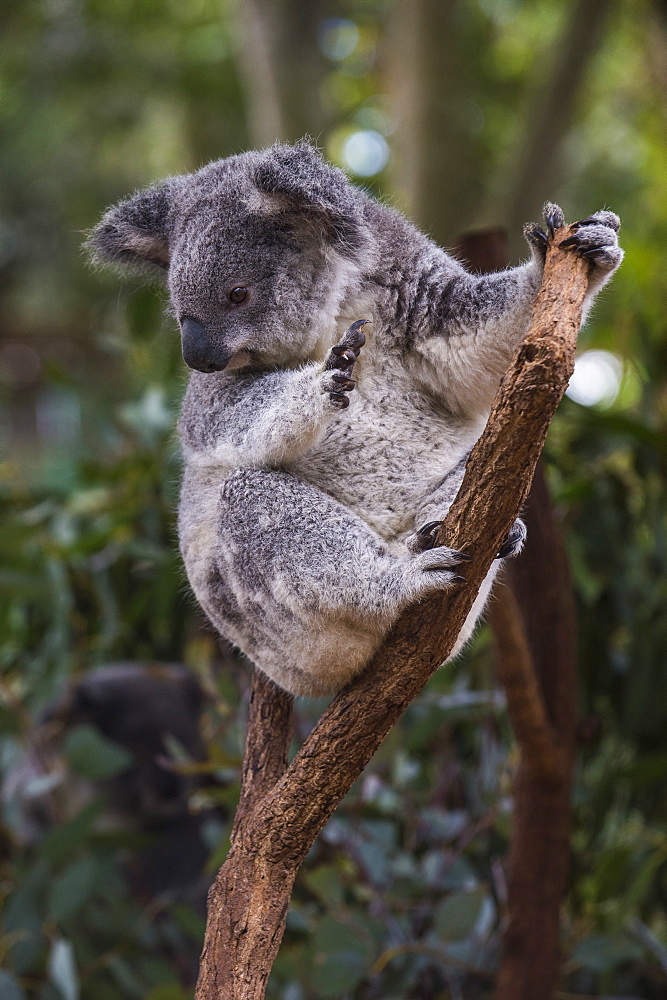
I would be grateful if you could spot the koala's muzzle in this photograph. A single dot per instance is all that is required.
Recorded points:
(202, 351)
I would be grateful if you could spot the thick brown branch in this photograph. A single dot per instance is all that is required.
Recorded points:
(539, 854)
(268, 738)
(251, 894)
(516, 673)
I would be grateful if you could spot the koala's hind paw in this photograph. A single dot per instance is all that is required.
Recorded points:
(424, 538)
(436, 567)
(513, 544)
(340, 362)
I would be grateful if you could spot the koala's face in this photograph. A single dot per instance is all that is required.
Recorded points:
(258, 250)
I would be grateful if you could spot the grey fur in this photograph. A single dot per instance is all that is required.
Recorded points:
(300, 516)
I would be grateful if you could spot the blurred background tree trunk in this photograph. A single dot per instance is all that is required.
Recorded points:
(282, 68)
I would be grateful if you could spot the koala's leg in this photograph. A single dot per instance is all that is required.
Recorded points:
(302, 585)
(436, 506)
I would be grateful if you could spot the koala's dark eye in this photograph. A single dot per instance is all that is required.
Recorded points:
(238, 294)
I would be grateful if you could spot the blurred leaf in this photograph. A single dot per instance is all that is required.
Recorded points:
(326, 883)
(71, 889)
(455, 917)
(337, 972)
(62, 969)
(603, 952)
(342, 953)
(168, 991)
(9, 987)
(91, 755)
(65, 840)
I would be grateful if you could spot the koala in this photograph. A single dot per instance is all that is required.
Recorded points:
(343, 365)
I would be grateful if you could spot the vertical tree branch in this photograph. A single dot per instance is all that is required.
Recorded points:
(539, 854)
(268, 738)
(281, 67)
(428, 77)
(525, 705)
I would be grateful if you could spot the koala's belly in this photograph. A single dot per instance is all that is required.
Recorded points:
(384, 459)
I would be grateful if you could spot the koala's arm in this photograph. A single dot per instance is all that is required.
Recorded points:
(263, 420)
(476, 322)
(251, 421)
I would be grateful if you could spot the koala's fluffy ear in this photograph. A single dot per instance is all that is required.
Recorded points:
(297, 181)
(134, 232)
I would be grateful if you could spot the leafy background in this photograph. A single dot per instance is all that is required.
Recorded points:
(403, 895)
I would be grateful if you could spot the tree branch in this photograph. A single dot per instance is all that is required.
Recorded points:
(539, 853)
(248, 902)
(516, 673)
(268, 737)
(534, 622)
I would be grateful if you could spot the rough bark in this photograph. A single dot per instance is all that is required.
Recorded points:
(249, 899)
(268, 738)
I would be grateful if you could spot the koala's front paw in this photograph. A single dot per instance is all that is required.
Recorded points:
(596, 240)
(513, 544)
(340, 362)
(537, 238)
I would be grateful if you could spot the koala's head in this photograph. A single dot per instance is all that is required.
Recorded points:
(258, 250)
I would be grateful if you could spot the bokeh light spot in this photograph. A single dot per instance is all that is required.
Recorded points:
(337, 37)
(597, 378)
(365, 153)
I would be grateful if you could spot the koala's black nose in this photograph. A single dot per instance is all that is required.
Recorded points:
(199, 349)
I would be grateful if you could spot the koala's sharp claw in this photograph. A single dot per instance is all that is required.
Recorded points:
(429, 527)
(553, 216)
(457, 578)
(602, 218)
(345, 355)
(344, 382)
(593, 250)
(536, 237)
(569, 243)
(513, 544)
(355, 338)
(340, 400)
(424, 538)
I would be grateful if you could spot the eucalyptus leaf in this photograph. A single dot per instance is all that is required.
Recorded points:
(91, 755)
(10, 989)
(62, 969)
(455, 917)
